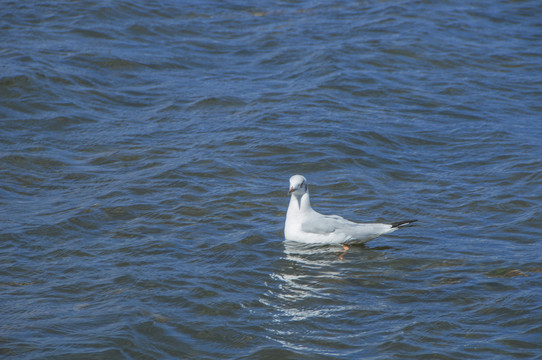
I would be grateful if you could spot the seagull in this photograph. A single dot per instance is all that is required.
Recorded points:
(304, 225)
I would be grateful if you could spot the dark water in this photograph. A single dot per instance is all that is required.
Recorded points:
(146, 152)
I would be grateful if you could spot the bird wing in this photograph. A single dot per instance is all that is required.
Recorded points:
(316, 227)
(324, 224)
(339, 227)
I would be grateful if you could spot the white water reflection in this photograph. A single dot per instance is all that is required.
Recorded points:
(315, 286)
(308, 283)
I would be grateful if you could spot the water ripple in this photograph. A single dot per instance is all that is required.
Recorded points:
(146, 154)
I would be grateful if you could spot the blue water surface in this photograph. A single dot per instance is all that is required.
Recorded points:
(146, 152)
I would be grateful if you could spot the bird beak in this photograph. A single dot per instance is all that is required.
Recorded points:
(291, 190)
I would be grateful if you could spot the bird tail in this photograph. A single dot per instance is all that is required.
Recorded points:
(402, 224)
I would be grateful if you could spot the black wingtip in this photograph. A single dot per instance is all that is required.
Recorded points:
(400, 224)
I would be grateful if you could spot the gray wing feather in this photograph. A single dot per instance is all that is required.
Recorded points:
(323, 224)
(328, 224)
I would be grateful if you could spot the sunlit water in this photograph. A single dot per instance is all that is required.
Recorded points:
(146, 152)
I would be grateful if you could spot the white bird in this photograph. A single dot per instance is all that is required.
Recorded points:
(305, 225)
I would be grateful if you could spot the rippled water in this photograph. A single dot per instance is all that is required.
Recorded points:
(146, 152)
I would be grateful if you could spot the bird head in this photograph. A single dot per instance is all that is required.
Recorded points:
(298, 185)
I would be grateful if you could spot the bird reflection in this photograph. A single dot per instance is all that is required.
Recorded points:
(312, 278)
(307, 282)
